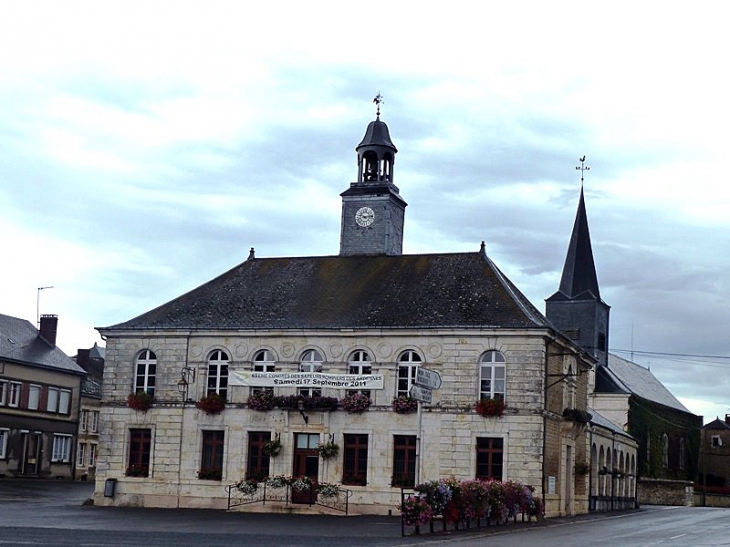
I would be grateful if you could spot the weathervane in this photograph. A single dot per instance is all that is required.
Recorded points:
(581, 168)
(378, 100)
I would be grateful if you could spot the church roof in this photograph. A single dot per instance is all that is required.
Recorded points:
(623, 376)
(21, 342)
(360, 291)
(579, 277)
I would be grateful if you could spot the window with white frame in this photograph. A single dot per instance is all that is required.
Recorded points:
(360, 363)
(145, 372)
(81, 455)
(716, 440)
(94, 427)
(61, 448)
(408, 364)
(263, 361)
(83, 422)
(52, 402)
(218, 373)
(4, 433)
(3, 391)
(34, 396)
(311, 362)
(92, 454)
(14, 391)
(64, 401)
(492, 376)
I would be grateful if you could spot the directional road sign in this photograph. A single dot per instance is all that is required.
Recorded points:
(428, 378)
(422, 394)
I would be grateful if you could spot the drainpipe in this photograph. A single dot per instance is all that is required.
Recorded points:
(613, 464)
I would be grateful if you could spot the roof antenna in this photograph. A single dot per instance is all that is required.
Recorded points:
(582, 168)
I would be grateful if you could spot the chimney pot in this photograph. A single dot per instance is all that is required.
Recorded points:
(49, 326)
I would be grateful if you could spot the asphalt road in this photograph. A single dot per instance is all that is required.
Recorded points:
(50, 513)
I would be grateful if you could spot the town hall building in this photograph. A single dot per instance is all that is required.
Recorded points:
(304, 367)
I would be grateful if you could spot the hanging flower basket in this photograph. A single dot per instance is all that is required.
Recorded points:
(355, 403)
(577, 415)
(140, 401)
(272, 447)
(328, 450)
(490, 408)
(211, 404)
(404, 404)
(582, 469)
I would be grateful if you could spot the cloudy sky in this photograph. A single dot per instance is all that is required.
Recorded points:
(146, 146)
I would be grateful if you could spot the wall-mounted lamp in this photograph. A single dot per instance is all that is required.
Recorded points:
(187, 376)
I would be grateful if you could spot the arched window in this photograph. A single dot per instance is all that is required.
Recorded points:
(146, 368)
(360, 363)
(491, 375)
(311, 362)
(682, 449)
(263, 361)
(218, 373)
(408, 364)
(665, 450)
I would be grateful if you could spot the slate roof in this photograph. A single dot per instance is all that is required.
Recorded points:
(21, 343)
(362, 291)
(602, 421)
(717, 425)
(623, 376)
(579, 280)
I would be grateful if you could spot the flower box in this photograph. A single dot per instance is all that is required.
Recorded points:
(355, 403)
(403, 404)
(140, 401)
(490, 408)
(211, 404)
(262, 400)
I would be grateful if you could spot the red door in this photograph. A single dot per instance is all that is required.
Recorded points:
(306, 464)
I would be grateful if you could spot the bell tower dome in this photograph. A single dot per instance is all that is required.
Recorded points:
(373, 212)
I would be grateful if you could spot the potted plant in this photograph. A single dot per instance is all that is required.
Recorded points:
(328, 450)
(327, 489)
(582, 469)
(300, 484)
(278, 481)
(355, 402)
(211, 404)
(272, 447)
(247, 487)
(261, 400)
(405, 404)
(577, 415)
(487, 408)
(140, 401)
(137, 470)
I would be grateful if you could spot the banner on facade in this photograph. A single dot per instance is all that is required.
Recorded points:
(305, 379)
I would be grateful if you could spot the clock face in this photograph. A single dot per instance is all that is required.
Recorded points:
(365, 216)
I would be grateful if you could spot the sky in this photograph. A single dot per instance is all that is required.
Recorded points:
(146, 146)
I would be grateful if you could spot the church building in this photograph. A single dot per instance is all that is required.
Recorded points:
(305, 368)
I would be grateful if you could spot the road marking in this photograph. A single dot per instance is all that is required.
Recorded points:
(679, 536)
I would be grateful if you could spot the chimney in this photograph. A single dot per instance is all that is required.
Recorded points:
(727, 419)
(49, 326)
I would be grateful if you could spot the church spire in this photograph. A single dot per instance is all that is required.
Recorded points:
(577, 309)
(579, 271)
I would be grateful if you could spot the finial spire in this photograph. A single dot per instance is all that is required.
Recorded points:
(378, 100)
(583, 167)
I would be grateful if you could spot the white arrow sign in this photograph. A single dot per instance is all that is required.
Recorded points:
(428, 378)
(421, 394)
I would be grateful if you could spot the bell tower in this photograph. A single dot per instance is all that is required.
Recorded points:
(373, 212)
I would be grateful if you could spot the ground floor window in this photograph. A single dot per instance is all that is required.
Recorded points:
(92, 455)
(211, 462)
(4, 443)
(81, 455)
(258, 460)
(355, 460)
(140, 446)
(404, 461)
(61, 448)
(490, 458)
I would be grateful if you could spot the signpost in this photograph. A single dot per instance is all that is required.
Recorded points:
(428, 378)
(421, 394)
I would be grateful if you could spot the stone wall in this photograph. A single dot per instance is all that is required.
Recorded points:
(665, 492)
